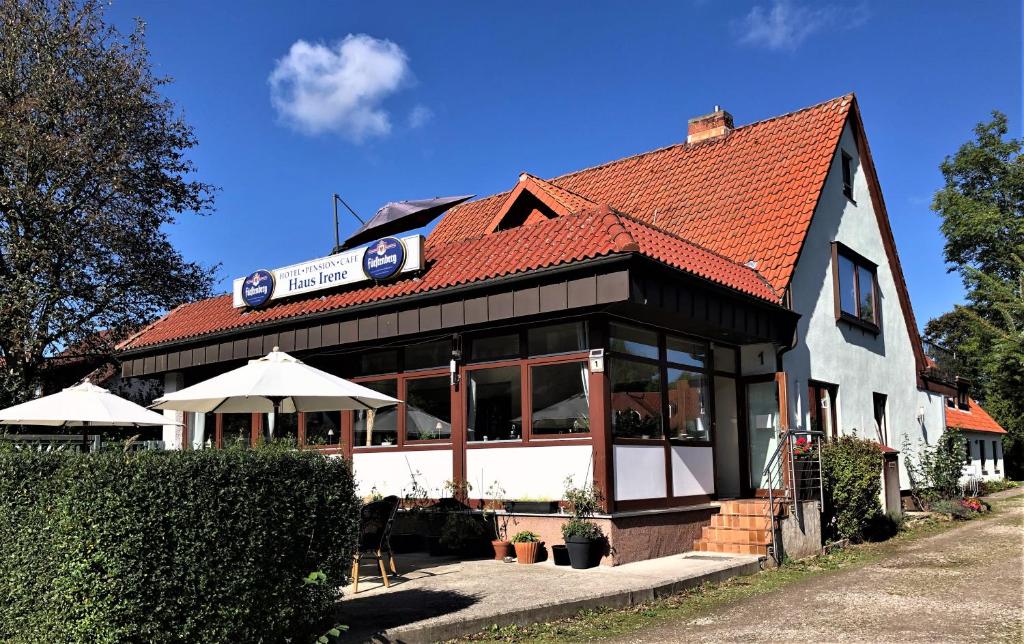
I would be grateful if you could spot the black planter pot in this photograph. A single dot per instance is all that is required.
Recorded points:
(581, 552)
(560, 554)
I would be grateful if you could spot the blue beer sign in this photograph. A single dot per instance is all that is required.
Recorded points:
(257, 288)
(384, 258)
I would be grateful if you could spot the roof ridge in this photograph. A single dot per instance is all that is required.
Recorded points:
(622, 240)
(849, 95)
(694, 244)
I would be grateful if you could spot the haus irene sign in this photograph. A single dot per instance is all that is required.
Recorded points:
(381, 260)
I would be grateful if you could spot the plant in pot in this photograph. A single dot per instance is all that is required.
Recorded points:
(463, 534)
(526, 544)
(498, 521)
(580, 533)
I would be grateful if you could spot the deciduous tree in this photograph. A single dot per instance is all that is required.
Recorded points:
(982, 210)
(93, 168)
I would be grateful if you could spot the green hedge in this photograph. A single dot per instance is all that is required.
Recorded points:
(209, 546)
(852, 480)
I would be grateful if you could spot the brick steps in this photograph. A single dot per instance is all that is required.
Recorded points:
(742, 526)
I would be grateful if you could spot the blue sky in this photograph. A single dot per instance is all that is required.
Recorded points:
(293, 101)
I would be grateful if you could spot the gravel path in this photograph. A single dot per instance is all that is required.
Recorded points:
(963, 585)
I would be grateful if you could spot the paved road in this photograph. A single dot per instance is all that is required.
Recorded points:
(964, 585)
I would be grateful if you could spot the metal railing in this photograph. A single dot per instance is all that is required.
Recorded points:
(792, 475)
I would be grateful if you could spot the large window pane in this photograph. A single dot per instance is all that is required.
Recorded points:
(281, 427)
(687, 405)
(847, 286)
(494, 347)
(428, 405)
(556, 338)
(634, 341)
(561, 401)
(636, 399)
(236, 430)
(495, 412)
(867, 294)
(725, 359)
(376, 427)
(323, 428)
(685, 352)
(428, 355)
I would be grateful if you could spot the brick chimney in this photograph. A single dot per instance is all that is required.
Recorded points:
(709, 126)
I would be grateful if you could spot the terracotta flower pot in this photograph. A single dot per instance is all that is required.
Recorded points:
(502, 549)
(526, 553)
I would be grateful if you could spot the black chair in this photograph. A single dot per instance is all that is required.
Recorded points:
(375, 520)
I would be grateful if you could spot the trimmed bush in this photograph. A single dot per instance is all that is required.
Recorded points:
(208, 546)
(852, 480)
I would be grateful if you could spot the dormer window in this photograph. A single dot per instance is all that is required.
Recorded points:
(856, 286)
(847, 161)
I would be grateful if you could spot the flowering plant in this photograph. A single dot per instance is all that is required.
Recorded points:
(803, 446)
(973, 504)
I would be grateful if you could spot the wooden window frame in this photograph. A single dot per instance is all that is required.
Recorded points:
(858, 261)
(846, 168)
(814, 389)
(663, 364)
(525, 365)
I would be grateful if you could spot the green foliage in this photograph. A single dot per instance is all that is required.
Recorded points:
(581, 528)
(463, 532)
(582, 502)
(982, 211)
(996, 485)
(96, 164)
(935, 470)
(851, 471)
(525, 536)
(208, 546)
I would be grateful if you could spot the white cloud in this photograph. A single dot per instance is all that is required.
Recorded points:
(317, 88)
(786, 24)
(419, 116)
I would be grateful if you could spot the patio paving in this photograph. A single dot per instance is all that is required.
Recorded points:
(438, 598)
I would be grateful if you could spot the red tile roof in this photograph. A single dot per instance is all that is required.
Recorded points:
(974, 419)
(707, 208)
(594, 232)
(748, 195)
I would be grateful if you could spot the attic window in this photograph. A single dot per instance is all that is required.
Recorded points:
(847, 175)
(856, 288)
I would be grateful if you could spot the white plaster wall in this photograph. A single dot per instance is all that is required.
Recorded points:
(859, 362)
(639, 472)
(692, 470)
(535, 473)
(756, 359)
(391, 472)
(994, 469)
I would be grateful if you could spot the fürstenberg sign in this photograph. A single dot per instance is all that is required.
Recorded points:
(342, 269)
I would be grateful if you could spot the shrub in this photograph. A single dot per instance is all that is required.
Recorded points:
(581, 528)
(525, 536)
(463, 533)
(935, 470)
(851, 470)
(996, 485)
(207, 546)
(956, 508)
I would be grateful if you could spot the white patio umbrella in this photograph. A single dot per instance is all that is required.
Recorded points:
(83, 405)
(274, 383)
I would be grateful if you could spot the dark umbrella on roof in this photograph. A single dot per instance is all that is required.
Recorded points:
(400, 216)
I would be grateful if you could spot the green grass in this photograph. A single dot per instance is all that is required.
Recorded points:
(591, 625)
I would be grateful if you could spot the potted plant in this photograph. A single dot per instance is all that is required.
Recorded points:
(526, 544)
(580, 537)
(580, 533)
(463, 534)
(499, 522)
